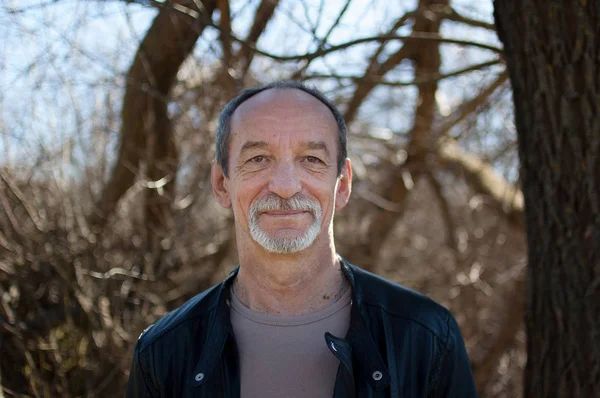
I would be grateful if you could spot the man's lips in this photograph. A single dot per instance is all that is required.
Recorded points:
(284, 213)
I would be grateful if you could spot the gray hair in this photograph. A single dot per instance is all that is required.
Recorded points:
(224, 129)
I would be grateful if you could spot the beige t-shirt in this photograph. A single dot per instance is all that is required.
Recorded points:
(288, 356)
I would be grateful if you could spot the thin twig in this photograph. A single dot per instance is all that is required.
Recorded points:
(323, 41)
(470, 106)
(118, 271)
(453, 15)
(20, 196)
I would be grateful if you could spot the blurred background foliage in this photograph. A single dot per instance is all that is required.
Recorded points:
(108, 114)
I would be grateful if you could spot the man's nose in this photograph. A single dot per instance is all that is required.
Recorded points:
(285, 181)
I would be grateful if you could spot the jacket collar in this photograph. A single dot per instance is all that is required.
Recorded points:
(369, 363)
(220, 330)
(358, 342)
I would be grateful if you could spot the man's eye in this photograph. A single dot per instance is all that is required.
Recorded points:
(312, 159)
(258, 159)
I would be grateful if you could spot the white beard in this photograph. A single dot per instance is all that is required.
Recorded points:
(276, 203)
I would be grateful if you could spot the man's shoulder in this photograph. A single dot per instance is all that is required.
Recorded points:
(400, 302)
(191, 311)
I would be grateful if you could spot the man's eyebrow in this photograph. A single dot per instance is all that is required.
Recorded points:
(253, 144)
(315, 145)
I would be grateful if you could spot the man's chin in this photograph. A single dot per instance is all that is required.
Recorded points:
(285, 247)
(286, 234)
(287, 241)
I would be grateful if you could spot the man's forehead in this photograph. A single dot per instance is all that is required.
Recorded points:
(281, 103)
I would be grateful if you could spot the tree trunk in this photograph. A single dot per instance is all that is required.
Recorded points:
(427, 61)
(552, 51)
(146, 131)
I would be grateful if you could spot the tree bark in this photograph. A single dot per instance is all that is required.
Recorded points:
(552, 50)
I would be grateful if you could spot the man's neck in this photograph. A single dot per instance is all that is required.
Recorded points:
(289, 284)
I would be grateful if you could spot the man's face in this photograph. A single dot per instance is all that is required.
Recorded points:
(283, 180)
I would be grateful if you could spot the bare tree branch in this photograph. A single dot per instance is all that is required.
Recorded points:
(365, 86)
(323, 41)
(417, 37)
(503, 151)
(486, 180)
(20, 197)
(146, 130)
(377, 71)
(263, 15)
(422, 80)
(225, 25)
(31, 7)
(396, 189)
(467, 108)
(451, 14)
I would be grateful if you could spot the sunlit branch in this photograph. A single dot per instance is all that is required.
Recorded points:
(485, 180)
(423, 80)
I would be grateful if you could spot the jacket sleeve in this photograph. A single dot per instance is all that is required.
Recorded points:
(455, 379)
(138, 386)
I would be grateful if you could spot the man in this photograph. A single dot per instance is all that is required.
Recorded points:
(295, 319)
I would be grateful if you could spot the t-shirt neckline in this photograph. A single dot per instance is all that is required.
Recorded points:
(295, 320)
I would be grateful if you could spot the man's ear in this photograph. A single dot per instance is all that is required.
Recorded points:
(344, 186)
(219, 185)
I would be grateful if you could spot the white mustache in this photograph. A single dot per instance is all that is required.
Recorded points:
(273, 202)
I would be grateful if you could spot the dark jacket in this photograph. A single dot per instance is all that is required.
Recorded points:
(399, 344)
